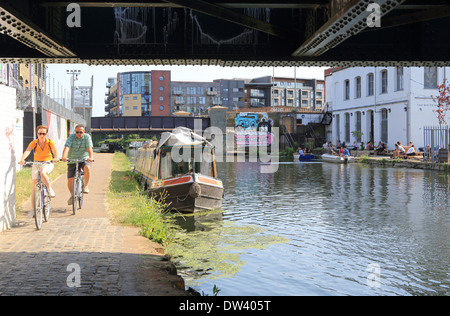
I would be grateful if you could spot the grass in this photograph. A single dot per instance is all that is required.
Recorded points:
(129, 206)
(24, 183)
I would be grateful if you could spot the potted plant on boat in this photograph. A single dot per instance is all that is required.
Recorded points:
(443, 105)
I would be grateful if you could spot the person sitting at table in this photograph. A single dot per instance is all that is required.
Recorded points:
(369, 146)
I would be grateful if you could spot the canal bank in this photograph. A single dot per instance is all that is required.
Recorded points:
(402, 163)
(85, 254)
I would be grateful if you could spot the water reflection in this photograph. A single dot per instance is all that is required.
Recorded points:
(339, 219)
(313, 229)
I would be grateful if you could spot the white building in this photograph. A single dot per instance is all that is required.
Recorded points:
(384, 103)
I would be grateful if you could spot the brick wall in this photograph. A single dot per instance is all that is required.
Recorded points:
(11, 149)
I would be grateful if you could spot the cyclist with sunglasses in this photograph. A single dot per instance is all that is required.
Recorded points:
(78, 146)
(44, 150)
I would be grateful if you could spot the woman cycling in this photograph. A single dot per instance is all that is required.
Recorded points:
(44, 150)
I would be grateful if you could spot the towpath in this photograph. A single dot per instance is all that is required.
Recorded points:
(83, 254)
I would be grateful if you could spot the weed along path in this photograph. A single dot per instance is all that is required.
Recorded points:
(83, 254)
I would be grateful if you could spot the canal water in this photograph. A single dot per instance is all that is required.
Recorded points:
(321, 229)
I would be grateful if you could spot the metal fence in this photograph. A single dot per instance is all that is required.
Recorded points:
(435, 138)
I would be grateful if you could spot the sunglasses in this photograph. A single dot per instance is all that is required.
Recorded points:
(42, 133)
(79, 132)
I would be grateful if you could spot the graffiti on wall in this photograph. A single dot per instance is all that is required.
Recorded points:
(253, 129)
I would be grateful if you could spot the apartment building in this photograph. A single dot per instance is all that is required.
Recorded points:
(139, 93)
(307, 94)
(194, 97)
(386, 104)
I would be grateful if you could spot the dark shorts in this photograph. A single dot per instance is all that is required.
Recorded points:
(71, 168)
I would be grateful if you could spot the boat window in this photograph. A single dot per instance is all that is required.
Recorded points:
(152, 165)
(166, 165)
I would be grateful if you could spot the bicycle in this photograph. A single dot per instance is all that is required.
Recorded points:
(77, 185)
(41, 197)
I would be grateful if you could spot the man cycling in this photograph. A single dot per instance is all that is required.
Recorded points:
(44, 150)
(78, 146)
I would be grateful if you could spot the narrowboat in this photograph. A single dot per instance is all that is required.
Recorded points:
(180, 170)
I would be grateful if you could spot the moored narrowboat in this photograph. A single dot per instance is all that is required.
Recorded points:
(180, 170)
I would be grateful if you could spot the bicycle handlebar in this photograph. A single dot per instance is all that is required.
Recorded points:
(78, 160)
(37, 162)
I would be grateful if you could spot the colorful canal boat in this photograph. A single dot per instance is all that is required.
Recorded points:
(180, 169)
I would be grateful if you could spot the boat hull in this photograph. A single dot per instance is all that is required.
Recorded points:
(298, 157)
(337, 159)
(189, 194)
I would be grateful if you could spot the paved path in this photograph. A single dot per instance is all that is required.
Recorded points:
(82, 254)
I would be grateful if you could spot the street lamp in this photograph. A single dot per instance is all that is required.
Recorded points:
(74, 74)
(84, 93)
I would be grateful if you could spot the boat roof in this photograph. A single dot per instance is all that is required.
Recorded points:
(182, 136)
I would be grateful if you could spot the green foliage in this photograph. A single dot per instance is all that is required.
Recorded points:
(364, 159)
(130, 207)
(215, 292)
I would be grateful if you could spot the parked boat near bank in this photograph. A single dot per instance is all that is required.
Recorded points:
(337, 159)
(180, 169)
(308, 157)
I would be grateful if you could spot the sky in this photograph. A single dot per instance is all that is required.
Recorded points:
(57, 76)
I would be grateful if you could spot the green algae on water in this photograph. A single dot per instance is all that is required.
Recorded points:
(215, 252)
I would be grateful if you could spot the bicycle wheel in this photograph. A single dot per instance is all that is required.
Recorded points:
(38, 206)
(81, 196)
(75, 195)
(46, 205)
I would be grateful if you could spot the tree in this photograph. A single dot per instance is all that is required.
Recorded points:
(443, 104)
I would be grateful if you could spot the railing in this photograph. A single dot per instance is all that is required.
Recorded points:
(435, 138)
(143, 123)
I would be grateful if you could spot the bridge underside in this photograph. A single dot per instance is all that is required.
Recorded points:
(226, 32)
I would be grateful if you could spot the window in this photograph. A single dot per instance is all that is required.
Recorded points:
(384, 125)
(430, 77)
(135, 107)
(370, 84)
(384, 81)
(399, 79)
(346, 90)
(358, 87)
(347, 127)
(358, 125)
(161, 108)
(161, 88)
(338, 129)
(161, 98)
(191, 90)
(161, 78)
(135, 98)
